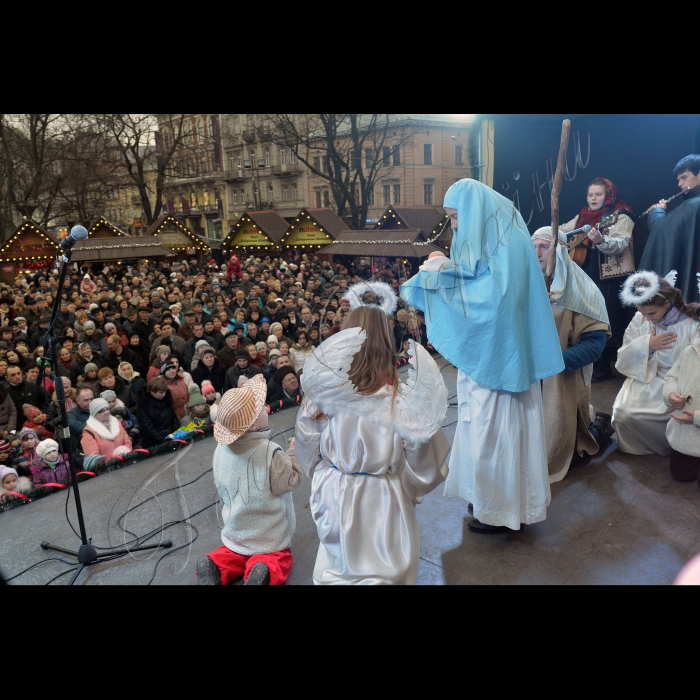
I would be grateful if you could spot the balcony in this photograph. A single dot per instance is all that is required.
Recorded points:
(248, 135)
(236, 175)
(285, 169)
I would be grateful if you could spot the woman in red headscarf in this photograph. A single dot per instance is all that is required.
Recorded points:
(608, 259)
(233, 270)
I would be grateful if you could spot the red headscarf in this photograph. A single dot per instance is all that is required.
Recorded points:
(610, 205)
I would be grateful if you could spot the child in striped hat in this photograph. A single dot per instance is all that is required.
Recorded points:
(254, 478)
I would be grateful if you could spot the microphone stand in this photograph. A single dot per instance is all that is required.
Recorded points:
(86, 554)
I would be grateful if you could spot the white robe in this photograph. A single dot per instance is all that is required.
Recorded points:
(640, 415)
(499, 455)
(366, 522)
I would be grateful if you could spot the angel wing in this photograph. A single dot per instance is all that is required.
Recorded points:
(671, 278)
(325, 378)
(421, 402)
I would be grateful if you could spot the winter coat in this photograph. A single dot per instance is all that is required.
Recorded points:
(123, 392)
(177, 347)
(684, 378)
(63, 368)
(216, 375)
(31, 393)
(93, 384)
(227, 356)
(157, 417)
(137, 385)
(113, 360)
(299, 355)
(97, 344)
(56, 409)
(8, 411)
(78, 366)
(98, 439)
(142, 357)
(198, 356)
(23, 460)
(77, 419)
(181, 395)
(235, 372)
(190, 349)
(44, 473)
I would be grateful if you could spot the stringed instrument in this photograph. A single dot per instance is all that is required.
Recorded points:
(581, 244)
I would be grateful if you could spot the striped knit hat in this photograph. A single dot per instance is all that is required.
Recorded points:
(239, 409)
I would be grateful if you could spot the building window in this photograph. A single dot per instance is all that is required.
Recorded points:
(200, 130)
(356, 194)
(326, 199)
(371, 197)
(268, 159)
(243, 199)
(397, 194)
(356, 160)
(285, 192)
(427, 193)
(249, 122)
(234, 197)
(205, 198)
(369, 158)
(239, 161)
(427, 154)
(317, 197)
(295, 192)
(386, 152)
(283, 156)
(291, 156)
(236, 125)
(317, 162)
(324, 164)
(397, 156)
(270, 194)
(232, 160)
(459, 154)
(387, 195)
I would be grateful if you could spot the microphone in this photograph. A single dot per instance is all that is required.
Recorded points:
(77, 233)
(569, 236)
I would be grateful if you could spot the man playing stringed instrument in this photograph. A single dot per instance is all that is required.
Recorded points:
(606, 257)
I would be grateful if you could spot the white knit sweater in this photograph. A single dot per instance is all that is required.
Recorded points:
(254, 478)
(684, 377)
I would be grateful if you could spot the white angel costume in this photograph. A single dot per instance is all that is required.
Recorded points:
(369, 465)
(640, 415)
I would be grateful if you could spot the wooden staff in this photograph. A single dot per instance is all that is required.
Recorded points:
(558, 176)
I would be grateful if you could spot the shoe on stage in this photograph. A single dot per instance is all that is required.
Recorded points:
(484, 529)
(207, 573)
(259, 575)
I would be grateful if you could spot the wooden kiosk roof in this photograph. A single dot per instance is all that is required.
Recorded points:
(392, 244)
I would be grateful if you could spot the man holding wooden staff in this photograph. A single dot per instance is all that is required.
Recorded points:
(488, 313)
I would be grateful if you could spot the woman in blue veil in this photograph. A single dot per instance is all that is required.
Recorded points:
(487, 311)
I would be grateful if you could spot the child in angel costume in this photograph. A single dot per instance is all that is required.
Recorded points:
(663, 327)
(371, 444)
(488, 313)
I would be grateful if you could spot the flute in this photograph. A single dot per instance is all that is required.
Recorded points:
(670, 199)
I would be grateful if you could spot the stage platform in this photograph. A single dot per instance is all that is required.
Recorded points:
(615, 519)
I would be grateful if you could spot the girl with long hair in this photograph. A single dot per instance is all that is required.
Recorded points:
(372, 447)
(662, 328)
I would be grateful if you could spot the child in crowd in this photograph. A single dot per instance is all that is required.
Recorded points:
(196, 410)
(257, 511)
(24, 454)
(35, 421)
(5, 452)
(11, 481)
(51, 465)
(126, 418)
(212, 398)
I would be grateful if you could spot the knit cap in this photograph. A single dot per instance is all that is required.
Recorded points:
(27, 431)
(4, 471)
(199, 344)
(207, 386)
(97, 405)
(90, 367)
(242, 352)
(274, 353)
(272, 339)
(196, 397)
(30, 411)
(5, 446)
(46, 446)
(89, 324)
(107, 395)
(166, 366)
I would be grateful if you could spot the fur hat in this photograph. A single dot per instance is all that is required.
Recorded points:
(238, 410)
(46, 446)
(282, 372)
(30, 411)
(97, 405)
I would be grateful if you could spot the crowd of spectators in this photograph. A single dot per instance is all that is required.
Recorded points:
(148, 349)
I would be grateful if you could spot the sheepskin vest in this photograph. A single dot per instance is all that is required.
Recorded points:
(255, 520)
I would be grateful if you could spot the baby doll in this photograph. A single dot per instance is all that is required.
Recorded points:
(254, 478)
(24, 454)
(10, 481)
(51, 465)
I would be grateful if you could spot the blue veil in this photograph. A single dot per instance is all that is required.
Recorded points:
(488, 312)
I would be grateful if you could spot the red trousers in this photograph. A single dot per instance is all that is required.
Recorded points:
(232, 565)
